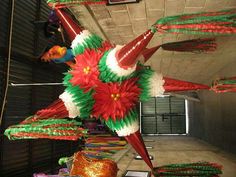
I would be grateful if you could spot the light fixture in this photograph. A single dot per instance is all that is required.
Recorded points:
(114, 2)
(138, 157)
(134, 173)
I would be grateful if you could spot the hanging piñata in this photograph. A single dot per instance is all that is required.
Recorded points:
(107, 84)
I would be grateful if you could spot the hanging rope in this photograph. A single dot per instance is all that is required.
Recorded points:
(8, 62)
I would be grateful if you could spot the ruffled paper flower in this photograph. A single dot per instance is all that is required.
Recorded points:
(114, 100)
(85, 72)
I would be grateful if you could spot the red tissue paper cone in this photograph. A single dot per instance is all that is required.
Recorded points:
(136, 141)
(127, 55)
(172, 85)
(147, 53)
(55, 110)
(69, 25)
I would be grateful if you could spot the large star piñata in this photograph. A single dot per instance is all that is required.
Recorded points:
(106, 82)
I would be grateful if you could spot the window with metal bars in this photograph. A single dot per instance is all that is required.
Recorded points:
(163, 115)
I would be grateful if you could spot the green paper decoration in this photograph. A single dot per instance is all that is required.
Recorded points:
(82, 99)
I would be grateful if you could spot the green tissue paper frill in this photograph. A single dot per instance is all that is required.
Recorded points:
(92, 42)
(106, 75)
(82, 99)
(144, 75)
(118, 124)
(205, 23)
(203, 169)
(51, 127)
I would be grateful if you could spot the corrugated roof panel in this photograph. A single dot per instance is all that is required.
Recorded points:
(1, 77)
(15, 161)
(4, 20)
(23, 28)
(31, 155)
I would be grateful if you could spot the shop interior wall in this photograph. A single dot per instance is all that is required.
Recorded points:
(214, 118)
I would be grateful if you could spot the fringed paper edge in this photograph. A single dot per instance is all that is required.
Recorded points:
(71, 107)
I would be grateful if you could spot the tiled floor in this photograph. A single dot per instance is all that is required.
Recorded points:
(179, 149)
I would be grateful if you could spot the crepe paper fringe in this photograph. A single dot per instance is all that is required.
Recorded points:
(73, 110)
(156, 83)
(205, 169)
(224, 85)
(113, 61)
(62, 129)
(222, 22)
(82, 99)
(124, 122)
(98, 138)
(128, 130)
(144, 75)
(94, 146)
(98, 156)
(85, 40)
(151, 84)
(107, 148)
(194, 45)
(104, 140)
(23, 135)
(107, 75)
(105, 144)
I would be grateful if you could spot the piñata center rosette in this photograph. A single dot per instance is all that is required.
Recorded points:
(114, 100)
(85, 73)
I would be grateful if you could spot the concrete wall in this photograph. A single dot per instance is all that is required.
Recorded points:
(214, 118)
